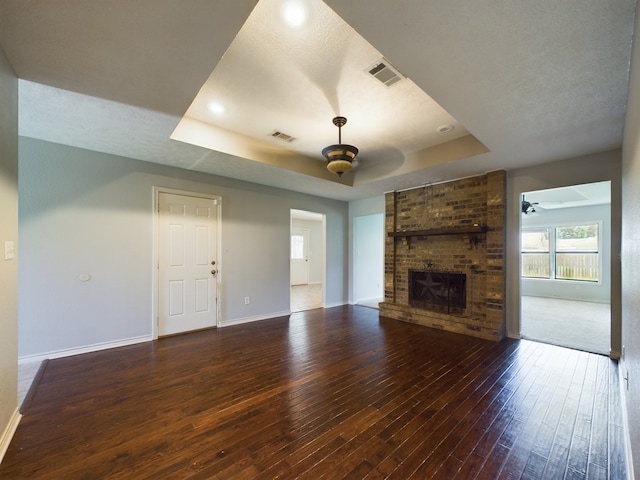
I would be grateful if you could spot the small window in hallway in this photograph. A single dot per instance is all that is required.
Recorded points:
(297, 246)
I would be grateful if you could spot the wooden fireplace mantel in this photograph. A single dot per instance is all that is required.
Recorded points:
(472, 230)
(439, 231)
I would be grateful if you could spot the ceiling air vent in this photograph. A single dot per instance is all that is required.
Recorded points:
(385, 72)
(282, 136)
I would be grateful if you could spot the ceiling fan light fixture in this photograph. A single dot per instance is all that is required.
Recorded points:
(527, 207)
(340, 156)
(339, 167)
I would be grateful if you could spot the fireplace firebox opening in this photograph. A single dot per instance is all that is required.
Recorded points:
(439, 291)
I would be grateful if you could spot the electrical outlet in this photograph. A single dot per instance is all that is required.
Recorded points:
(9, 250)
(247, 300)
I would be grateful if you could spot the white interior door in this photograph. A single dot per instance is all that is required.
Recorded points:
(299, 256)
(187, 263)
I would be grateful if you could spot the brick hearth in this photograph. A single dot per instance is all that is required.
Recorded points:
(454, 227)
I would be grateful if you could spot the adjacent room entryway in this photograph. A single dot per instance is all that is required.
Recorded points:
(307, 247)
(565, 260)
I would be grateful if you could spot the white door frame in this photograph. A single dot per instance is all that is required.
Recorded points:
(323, 260)
(155, 295)
(600, 249)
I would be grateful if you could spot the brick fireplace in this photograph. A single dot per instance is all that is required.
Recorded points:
(445, 256)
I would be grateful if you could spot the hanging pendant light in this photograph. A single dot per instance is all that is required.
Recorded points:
(340, 156)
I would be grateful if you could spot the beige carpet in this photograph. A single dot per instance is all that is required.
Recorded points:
(567, 323)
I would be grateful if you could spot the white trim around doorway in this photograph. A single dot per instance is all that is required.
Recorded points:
(154, 294)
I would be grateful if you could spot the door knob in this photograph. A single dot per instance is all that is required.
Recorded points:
(214, 271)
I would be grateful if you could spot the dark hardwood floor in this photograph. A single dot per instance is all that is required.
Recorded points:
(331, 394)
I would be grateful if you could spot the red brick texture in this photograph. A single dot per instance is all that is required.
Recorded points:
(458, 204)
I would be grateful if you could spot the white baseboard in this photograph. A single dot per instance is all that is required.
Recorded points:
(625, 423)
(369, 300)
(239, 321)
(8, 433)
(335, 304)
(67, 352)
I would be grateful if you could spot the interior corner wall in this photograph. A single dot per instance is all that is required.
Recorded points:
(630, 360)
(599, 167)
(360, 208)
(368, 258)
(84, 212)
(8, 267)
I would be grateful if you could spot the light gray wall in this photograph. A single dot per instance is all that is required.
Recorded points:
(587, 291)
(316, 243)
(360, 208)
(630, 364)
(592, 168)
(368, 250)
(8, 232)
(87, 212)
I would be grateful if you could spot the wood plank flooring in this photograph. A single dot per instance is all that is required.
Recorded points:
(325, 394)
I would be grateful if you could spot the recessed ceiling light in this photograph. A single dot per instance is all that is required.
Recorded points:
(217, 108)
(445, 128)
(294, 13)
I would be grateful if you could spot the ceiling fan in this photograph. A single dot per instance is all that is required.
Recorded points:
(527, 207)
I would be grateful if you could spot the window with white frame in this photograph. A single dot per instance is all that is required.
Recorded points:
(568, 252)
(297, 246)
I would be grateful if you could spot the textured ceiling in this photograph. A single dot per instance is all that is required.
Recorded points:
(597, 193)
(532, 81)
(295, 79)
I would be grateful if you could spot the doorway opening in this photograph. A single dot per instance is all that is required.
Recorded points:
(565, 266)
(368, 254)
(307, 260)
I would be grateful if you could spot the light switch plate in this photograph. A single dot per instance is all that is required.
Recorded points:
(9, 250)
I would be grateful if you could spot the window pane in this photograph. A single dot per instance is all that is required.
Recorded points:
(297, 247)
(577, 266)
(535, 240)
(535, 265)
(580, 238)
